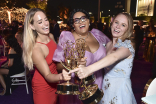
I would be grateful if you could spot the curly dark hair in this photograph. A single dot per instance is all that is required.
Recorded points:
(71, 21)
(12, 42)
(6, 32)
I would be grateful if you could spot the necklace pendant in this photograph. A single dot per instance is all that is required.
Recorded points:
(84, 37)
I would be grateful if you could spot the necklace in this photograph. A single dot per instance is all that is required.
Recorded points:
(84, 37)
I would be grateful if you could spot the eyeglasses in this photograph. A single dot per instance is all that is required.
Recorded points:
(77, 20)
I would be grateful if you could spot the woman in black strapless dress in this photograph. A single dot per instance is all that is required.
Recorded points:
(15, 63)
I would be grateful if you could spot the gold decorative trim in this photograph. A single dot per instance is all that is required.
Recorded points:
(98, 99)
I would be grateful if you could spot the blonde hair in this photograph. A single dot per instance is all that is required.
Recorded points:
(29, 37)
(129, 32)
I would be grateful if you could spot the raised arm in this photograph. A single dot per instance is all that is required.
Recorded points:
(119, 54)
(41, 64)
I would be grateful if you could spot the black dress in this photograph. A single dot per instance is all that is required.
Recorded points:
(16, 68)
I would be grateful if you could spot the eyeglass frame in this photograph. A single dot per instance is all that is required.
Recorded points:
(80, 19)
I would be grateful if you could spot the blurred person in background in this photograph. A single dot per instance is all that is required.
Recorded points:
(139, 35)
(14, 27)
(150, 30)
(19, 36)
(15, 63)
(100, 25)
(56, 30)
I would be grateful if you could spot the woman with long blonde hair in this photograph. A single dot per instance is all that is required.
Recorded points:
(38, 49)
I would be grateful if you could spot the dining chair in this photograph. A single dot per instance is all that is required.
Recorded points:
(21, 79)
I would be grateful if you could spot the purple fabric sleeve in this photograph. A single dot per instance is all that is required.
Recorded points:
(59, 53)
(101, 37)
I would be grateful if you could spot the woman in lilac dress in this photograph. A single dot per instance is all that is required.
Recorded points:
(95, 40)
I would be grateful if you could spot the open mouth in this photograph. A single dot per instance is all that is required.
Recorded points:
(82, 26)
(116, 31)
(46, 28)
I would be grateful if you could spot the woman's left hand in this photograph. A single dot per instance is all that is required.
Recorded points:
(82, 71)
(65, 75)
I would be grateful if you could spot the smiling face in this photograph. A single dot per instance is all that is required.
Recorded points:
(41, 23)
(119, 26)
(82, 26)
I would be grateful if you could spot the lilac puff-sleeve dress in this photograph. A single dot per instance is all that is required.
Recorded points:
(91, 58)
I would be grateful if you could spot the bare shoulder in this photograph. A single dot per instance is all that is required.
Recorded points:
(12, 51)
(37, 50)
(108, 44)
(51, 35)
